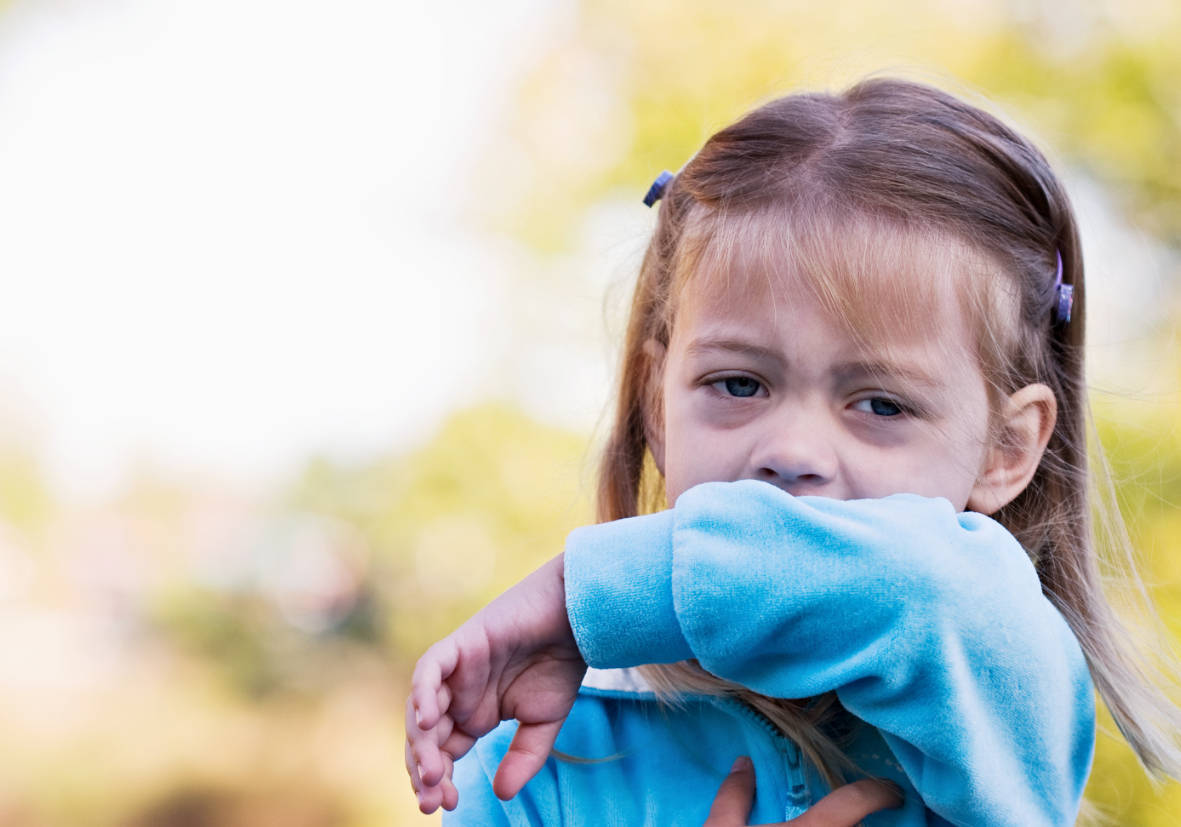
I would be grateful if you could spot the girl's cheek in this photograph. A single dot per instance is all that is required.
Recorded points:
(710, 411)
(700, 458)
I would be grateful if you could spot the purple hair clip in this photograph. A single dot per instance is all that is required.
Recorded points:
(1063, 295)
(657, 189)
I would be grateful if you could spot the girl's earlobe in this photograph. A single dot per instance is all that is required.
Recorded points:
(1027, 422)
(652, 401)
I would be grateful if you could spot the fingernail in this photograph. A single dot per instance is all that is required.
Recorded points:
(418, 769)
(741, 764)
(417, 718)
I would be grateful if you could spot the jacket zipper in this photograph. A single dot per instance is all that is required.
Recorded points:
(798, 792)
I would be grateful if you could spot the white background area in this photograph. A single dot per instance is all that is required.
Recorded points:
(229, 227)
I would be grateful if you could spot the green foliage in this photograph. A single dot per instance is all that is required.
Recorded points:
(457, 521)
(1111, 105)
(238, 634)
(637, 87)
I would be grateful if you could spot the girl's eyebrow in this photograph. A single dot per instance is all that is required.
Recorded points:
(707, 344)
(881, 368)
(852, 369)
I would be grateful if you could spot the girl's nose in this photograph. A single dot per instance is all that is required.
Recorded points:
(797, 454)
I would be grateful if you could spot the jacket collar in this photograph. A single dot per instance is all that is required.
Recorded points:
(627, 681)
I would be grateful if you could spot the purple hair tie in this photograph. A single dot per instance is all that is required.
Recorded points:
(1063, 295)
(657, 189)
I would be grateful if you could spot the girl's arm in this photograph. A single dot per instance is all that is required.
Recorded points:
(930, 625)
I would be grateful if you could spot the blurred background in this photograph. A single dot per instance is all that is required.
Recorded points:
(308, 319)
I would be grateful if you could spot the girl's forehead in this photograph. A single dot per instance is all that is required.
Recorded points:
(884, 285)
(783, 314)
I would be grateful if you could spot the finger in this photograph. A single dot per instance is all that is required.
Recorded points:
(432, 668)
(429, 796)
(423, 750)
(437, 767)
(431, 761)
(450, 793)
(846, 806)
(526, 755)
(412, 770)
(416, 740)
(430, 753)
(442, 794)
(732, 803)
(447, 791)
(430, 799)
(413, 731)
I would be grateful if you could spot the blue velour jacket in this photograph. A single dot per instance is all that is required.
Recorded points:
(930, 625)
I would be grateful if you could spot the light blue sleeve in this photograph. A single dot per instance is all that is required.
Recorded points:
(930, 625)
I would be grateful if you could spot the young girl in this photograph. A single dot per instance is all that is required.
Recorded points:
(857, 331)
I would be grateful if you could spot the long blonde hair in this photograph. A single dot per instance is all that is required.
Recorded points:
(919, 163)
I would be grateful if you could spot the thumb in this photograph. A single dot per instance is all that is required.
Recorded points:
(526, 755)
(848, 805)
(732, 804)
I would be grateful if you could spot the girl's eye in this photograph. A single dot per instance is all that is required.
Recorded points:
(740, 386)
(878, 406)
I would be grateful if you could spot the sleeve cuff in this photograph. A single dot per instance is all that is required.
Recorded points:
(619, 592)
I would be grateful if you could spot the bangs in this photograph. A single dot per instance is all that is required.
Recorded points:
(885, 282)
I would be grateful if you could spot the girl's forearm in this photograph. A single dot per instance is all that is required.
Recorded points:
(930, 625)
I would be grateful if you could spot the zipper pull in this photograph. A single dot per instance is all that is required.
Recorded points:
(797, 780)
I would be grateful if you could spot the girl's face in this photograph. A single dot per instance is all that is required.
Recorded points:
(759, 382)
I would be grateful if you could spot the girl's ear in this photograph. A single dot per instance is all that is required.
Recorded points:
(1026, 424)
(653, 401)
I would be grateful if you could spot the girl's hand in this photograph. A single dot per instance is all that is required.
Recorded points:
(844, 807)
(516, 658)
